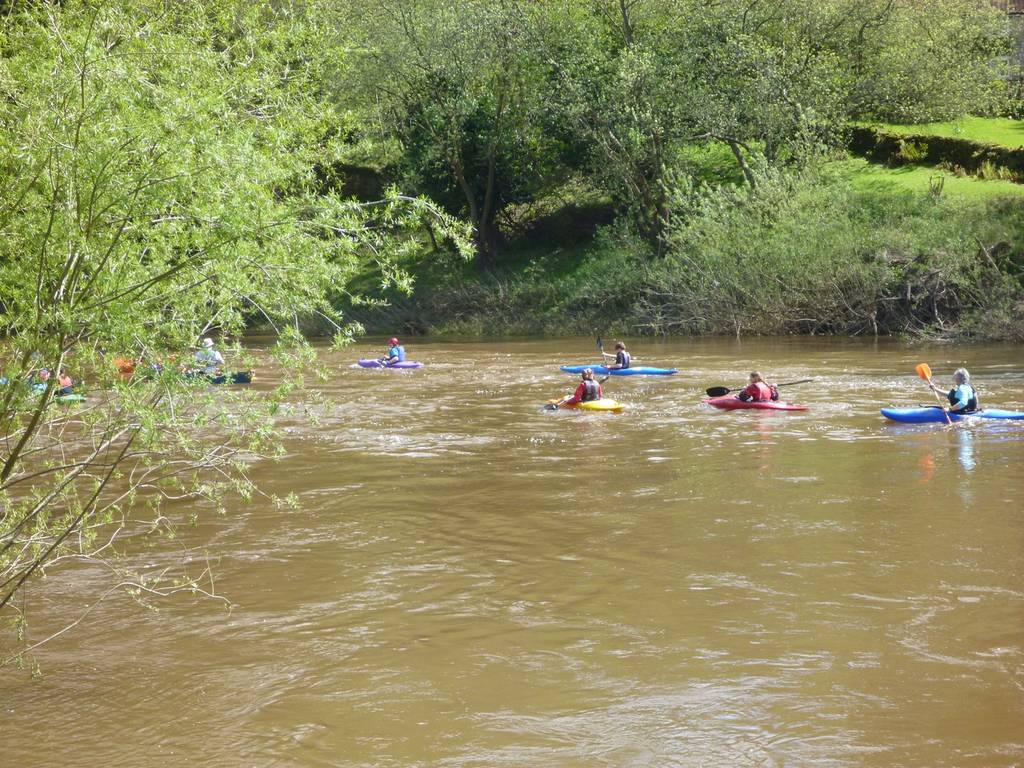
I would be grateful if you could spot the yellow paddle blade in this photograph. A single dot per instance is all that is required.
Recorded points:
(924, 371)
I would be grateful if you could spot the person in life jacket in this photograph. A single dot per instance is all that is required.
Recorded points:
(209, 360)
(396, 353)
(587, 390)
(125, 367)
(963, 398)
(622, 357)
(65, 382)
(758, 390)
(38, 379)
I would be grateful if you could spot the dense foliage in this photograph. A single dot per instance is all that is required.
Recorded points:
(497, 103)
(808, 253)
(675, 113)
(158, 164)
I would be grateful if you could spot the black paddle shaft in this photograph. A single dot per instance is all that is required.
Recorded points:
(721, 391)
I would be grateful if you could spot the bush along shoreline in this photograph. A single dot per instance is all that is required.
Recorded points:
(800, 254)
(959, 155)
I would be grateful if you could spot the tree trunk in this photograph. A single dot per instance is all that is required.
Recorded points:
(486, 240)
(627, 24)
(483, 213)
(738, 153)
(486, 227)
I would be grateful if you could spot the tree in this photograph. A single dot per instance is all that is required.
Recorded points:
(929, 60)
(637, 81)
(499, 102)
(456, 83)
(640, 80)
(159, 164)
(611, 68)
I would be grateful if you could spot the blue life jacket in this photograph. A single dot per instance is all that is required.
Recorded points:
(398, 352)
(623, 359)
(964, 395)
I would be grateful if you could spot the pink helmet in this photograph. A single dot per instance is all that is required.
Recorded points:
(392, 341)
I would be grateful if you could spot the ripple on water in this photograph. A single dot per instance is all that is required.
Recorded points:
(469, 581)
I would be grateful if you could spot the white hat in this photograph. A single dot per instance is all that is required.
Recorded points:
(207, 342)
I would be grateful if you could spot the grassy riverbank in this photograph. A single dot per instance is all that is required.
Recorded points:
(870, 178)
(852, 248)
(1003, 131)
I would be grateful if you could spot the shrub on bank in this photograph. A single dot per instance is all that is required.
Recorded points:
(802, 254)
(813, 256)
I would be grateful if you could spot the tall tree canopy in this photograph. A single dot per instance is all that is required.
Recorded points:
(498, 102)
(454, 81)
(158, 164)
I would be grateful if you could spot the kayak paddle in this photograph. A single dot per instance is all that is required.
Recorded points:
(720, 391)
(600, 347)
(925, 372)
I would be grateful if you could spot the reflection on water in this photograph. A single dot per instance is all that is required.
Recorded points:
(961, 446)
(927, 464)
(965, 449)
(472, 582)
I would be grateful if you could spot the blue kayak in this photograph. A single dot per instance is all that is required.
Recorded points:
(636, 370)
(934, 414)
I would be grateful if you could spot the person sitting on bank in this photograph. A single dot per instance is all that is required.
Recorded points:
(587, 390)
(963, 398)
(396, 353)
(209, 360)
(758, 390)
(622, 357)
(64, 382)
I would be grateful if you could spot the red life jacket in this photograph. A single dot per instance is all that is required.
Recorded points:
(759, 391)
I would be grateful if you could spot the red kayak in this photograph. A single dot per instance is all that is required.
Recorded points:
(733, 403)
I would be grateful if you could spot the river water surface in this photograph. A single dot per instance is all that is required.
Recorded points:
(469, 581)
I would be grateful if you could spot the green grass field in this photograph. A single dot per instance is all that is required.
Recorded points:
(994, 130)
(868, 177)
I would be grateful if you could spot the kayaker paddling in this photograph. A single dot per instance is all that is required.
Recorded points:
(64, 382)
(209, 360)
(758, 390)
(621, 357)
(963, 398)
(587, 391)
(396, 353)
(125, 367)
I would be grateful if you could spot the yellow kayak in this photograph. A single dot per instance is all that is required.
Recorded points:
(604, 404)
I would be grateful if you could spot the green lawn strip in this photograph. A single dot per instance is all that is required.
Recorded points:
(992, 130)
(869, 177)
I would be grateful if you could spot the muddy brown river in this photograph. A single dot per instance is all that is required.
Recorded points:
(471, 582)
